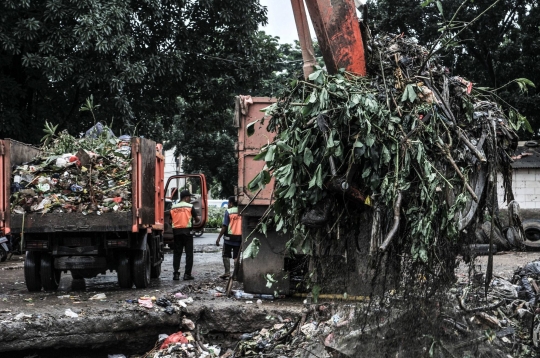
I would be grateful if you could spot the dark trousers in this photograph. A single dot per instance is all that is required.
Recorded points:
(182, 241)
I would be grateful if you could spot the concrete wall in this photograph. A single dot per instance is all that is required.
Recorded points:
(526, 187)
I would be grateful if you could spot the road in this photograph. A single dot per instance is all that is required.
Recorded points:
(207, 265)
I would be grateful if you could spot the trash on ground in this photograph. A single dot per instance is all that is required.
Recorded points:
(99, 296)
(70, 313)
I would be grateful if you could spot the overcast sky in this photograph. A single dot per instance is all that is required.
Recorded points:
(281, 20)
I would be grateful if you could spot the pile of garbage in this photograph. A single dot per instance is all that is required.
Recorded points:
(416, 147)
(88, 175)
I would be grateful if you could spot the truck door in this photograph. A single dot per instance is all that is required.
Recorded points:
(196, 184)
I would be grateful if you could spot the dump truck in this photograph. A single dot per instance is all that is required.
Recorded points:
(337, 28)
(130, 242)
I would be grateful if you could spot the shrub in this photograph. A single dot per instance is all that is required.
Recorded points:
(215, 217)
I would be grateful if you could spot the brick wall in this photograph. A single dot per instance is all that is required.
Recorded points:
(526, 187)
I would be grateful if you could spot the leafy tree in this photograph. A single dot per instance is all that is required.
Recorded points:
(135, 57)
(496, 48)
(212, 151)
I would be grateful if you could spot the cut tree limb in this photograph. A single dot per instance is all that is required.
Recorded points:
(395, 227)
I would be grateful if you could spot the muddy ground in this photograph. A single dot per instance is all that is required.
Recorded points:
(113, 325)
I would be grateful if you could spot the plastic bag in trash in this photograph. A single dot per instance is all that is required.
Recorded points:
(532, 268)
(96, 131)
(504, 288)
(177, 337)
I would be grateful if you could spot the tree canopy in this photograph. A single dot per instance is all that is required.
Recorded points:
(137, 58)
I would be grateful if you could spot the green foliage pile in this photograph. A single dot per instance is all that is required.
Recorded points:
(497, 47)
(404, 137)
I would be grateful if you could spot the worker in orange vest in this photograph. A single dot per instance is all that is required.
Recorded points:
(232, 230)
(182, 216)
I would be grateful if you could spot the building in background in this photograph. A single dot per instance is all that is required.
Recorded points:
(525, 177)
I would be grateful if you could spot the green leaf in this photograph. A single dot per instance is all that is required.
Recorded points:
(409, 94)
(317, 178)
(385, 155)
(315, 75)
(439, 6)
(270, 280)
(426, 3)
(366, 172)
(284, 146)
(252, 250)
(270, 154)
(523, 83)
(250, 128)
(291, 192)
(370, 139)
(308, 157)
(280, 224)
(261, 155)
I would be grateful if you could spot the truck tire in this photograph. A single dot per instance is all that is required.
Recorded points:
(50, 277)
(124, 271)
(141, 268)
(156, 271)
(77, 275)
(531, 228)
(32, 275)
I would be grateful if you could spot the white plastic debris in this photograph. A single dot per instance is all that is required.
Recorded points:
(70, 313)
(22, 315)
(99, 296)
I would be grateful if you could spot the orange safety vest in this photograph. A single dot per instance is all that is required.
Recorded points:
(181, 215)
(235, 222)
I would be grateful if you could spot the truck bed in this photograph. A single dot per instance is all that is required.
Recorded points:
(146, 189)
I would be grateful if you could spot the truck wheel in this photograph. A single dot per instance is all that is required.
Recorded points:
(50, 277)
(124, 271)
(141, 268)
(156, 271)
(76, 275)
(32, 275)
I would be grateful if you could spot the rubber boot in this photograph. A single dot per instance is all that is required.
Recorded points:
(176, 276)
(227, 265)
(235, 269)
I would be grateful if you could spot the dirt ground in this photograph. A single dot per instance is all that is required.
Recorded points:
(115, 318)
(15, 297)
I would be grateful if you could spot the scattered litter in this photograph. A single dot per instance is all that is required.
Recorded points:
(188, 324)
(145, 302)
(99, 296)
(22, 315)
(70, 313)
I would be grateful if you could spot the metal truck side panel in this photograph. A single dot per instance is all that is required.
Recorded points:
(248, 148)
(159, 189)
(146, 181)
(270, 259)
(71, 222)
